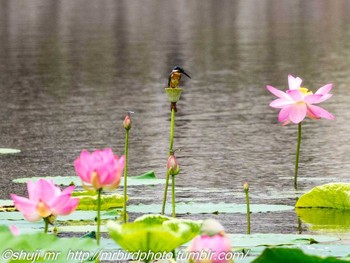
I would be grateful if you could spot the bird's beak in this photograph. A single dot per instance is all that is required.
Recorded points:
(186, 74)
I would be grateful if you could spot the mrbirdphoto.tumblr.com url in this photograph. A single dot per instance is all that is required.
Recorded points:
(119, 255)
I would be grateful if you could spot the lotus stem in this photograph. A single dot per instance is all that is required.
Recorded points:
(46, 221)
(246, 190)
(297, 158)
(98, 233)
(172, 128)
(173, 195)
(126, 174)
(165, 192)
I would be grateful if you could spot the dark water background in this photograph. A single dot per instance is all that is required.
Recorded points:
(69, 70)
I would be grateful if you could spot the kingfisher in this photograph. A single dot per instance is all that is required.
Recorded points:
(175, 76)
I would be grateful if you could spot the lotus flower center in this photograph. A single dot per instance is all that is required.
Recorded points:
(43, 209)
(305, 91)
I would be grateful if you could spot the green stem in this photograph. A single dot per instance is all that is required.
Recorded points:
(165, 192)
(172, 128)
(173, 194)
(98, 234)
(297, 158)
(126, 173)
(248, 211)
(46, 220)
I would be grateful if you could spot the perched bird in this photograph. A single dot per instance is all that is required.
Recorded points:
(175, 76)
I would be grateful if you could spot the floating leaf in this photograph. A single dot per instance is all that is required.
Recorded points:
(253, 240)
(7, 206)
(81, 226)
(80, 229)
(148, 178)
(77, 215)
(326, 250)
(208, 208)
(9, 151)
(333, 195)
(291, 255)
(88, 200)
(153, 234)
(6, 202)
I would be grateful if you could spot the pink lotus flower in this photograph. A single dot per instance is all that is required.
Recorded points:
(46, 200)
(297, 102)
(217, 247)
(99, 169)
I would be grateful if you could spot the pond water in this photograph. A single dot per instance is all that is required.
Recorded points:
(69, 71)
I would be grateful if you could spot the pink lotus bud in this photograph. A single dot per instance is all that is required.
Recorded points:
(211, 227)
(172, 165)
(127, 122)
(217, 246)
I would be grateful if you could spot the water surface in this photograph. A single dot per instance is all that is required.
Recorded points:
(69, 71)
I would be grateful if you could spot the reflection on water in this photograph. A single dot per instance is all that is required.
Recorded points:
(71, 69)
(322, 219)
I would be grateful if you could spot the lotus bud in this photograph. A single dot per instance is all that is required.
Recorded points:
(246, 187)
(213, 242)
(211, 227)
(172, 165)
(127, 122)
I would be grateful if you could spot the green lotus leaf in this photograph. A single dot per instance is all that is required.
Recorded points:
(153, 219)
(148, 178)
(291, 255)
(45, 248)
(333, 195)
(9, 151)
(88, 200)
(195, 227)
(154, 233)
(7, 206)
(77, 215)
(271, 239)
(328, 250)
